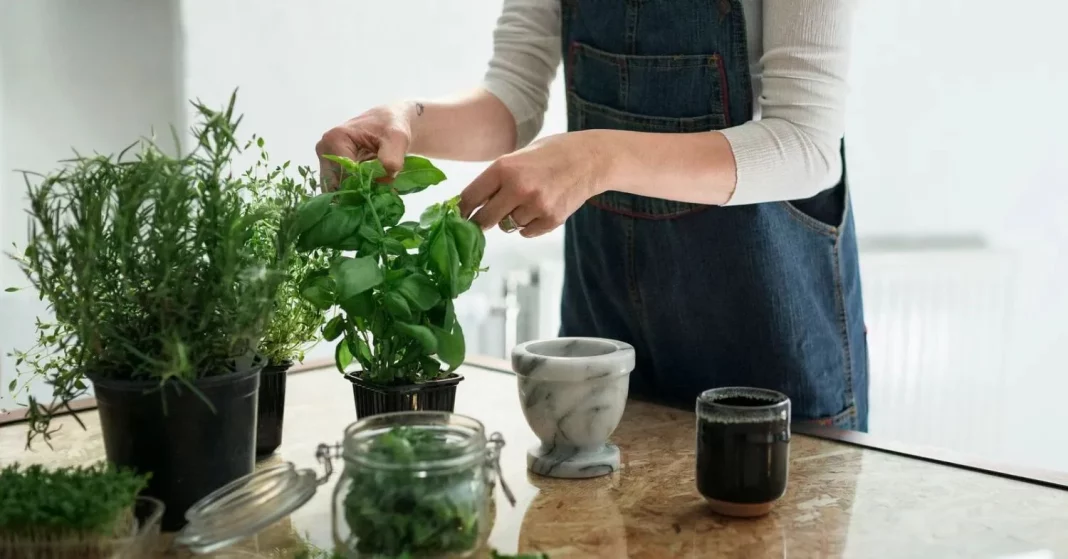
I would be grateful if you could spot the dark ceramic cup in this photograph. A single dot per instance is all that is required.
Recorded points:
(743, 449)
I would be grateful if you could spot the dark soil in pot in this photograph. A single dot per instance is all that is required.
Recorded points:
(373, 399)
(170, 431)
(272, 408)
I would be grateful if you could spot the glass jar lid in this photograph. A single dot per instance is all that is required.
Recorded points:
(245, 506)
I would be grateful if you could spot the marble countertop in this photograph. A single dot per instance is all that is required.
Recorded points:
(842, 500)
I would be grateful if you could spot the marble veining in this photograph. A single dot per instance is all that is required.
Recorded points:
(573, 392)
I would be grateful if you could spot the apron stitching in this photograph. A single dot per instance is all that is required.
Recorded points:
(840, 303)
(717, 61)
(598, 203)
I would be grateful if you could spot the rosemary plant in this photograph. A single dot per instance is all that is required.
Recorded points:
(146, 263)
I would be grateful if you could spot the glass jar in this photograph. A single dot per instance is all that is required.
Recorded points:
(415, 484)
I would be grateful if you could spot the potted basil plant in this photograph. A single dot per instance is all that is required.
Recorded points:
(295, 323)
(160, 302)
(396, 292)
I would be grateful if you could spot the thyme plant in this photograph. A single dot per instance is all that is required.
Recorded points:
(295, 322)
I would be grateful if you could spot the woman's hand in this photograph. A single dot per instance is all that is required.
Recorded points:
(383, 132)
(540, 185)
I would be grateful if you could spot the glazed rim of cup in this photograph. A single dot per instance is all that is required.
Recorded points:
(713, 397)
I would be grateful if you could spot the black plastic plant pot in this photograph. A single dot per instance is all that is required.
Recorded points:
(272, 408)
(170, 431)
(373, 399)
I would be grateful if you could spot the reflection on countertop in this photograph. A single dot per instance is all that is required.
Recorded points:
(842, 501)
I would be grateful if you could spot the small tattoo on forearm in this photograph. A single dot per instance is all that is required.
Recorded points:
(419, 109)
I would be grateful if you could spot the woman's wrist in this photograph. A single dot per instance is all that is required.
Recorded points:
(471, 127)
(693, 167)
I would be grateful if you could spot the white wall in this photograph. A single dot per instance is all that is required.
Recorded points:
(86, 75)
(303, 67)
(956, 125)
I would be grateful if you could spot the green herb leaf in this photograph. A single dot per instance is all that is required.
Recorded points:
(342, 356)
(11, 385)
(397, 306)
(430, 367)
(421, 334)
(394, 247)
(420, 291)
(407, 233)
(334, 328)
(389, 207)
(338, 224)
(466, 235)
(362, 305)
(445, 261)
(360, 350)
(451, 347)
(318, 289)
(431, 215)
(347, 165)
(418, 173)
(355, 275)
(311, 211)
(372, 169)
(494, 554)
(12, 289)
(370, 233)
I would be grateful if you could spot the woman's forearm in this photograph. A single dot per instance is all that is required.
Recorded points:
(472, 127)
(698, 167)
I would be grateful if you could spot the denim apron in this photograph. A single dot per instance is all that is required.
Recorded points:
(764, 295)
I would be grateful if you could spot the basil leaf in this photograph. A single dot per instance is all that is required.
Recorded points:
(372, 169)
(359, 350)
(418, 173)
(431, 367)
(420, 291)
(370, 233)
(333, 329)
(355, 275)
(359, 306)
(318, 289)
(346, 164)
(393, 246)
(431, 215)
(451, 347)
(311, 211)
(389, 207)
(407, 233)
(338, 224)
(397, 306)
(466, 234)
(445, 261)
(342, 356)
(421, 334)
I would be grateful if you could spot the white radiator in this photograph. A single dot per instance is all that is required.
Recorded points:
(938, 320)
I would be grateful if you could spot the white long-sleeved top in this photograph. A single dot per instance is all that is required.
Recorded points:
(798, 55)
